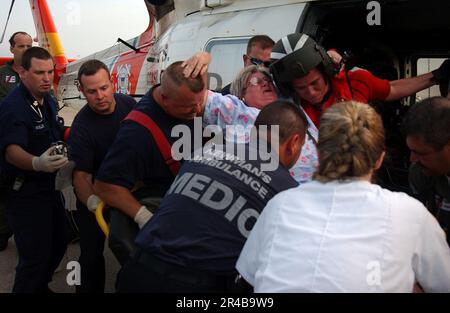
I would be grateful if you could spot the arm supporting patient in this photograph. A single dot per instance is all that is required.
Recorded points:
(118, 197)
(82, 181)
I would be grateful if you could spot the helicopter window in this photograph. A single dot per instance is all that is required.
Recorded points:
(227, 60)
(426, 65)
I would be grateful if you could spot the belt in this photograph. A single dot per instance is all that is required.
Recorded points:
(183, 274)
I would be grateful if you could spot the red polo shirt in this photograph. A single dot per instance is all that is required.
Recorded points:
(366, 87)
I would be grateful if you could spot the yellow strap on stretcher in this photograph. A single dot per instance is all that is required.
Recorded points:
(100, 220)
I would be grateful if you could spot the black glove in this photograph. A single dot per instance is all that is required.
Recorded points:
(441, 74)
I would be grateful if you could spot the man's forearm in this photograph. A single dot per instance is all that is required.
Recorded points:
(117, 197)
(409, 86)
(84, 188)
(18, 157)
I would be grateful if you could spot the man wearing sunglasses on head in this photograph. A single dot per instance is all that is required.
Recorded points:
(258, 52)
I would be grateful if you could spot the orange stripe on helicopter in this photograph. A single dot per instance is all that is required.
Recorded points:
(47, 33)
(125, 72)
(48, 37)
(46, 18)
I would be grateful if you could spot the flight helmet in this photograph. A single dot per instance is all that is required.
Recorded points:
(294, 56)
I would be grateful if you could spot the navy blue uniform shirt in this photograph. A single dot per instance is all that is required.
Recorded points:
(92, 134)
(134, 155)
(23, 126)
(209, 211)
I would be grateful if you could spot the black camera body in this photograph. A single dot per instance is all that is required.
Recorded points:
(61, 148)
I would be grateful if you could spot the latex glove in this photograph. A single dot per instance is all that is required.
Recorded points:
(48, 163)
(92, 202)
(142, 216)
(441, 74)
(196, 65)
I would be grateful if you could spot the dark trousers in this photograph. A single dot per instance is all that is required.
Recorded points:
(147, 274)
(92, 261)
(39, 224)
(4, 226)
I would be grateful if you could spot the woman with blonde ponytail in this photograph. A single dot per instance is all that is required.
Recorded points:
(351, 143)
(340, 232)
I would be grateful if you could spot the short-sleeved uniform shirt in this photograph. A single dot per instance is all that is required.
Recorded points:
(364, 85)
(92, 134)
(32, 128)
(134, 156)
(209, 211)
(9, 79)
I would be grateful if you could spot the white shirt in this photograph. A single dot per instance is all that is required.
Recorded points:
(345, 237)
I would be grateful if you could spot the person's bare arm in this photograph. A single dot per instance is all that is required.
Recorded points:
(84, 188)
(18, 157)
(409, 86)
(118, 197)
(46, 162)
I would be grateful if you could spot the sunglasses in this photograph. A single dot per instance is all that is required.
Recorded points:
(256, 81)
(259, 62)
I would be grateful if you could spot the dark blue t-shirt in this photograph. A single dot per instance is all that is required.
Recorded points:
(134, 156)
(32, 128)
(92, 134)
(209, 210)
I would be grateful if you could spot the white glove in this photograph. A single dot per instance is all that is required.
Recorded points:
(142, 216)
(92, 202)
(48, 163)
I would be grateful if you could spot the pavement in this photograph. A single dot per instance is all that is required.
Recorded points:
(68, 113)
(8, 262)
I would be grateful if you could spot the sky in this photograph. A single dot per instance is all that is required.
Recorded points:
(84, 26)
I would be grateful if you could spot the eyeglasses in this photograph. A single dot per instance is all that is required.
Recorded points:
(256, 61)
(257, 81)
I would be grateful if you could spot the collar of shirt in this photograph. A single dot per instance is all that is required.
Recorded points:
(29, 97)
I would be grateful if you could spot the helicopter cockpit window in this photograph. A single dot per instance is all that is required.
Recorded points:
(226, 59)
(426, 65)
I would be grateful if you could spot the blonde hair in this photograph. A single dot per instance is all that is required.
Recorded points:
(351, 139)
(239, 84)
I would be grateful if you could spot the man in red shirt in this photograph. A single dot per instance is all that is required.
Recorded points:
(303, 70)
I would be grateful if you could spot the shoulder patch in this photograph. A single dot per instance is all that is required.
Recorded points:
(10, 79)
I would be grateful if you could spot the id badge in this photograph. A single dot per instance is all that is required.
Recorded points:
(18, 183)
